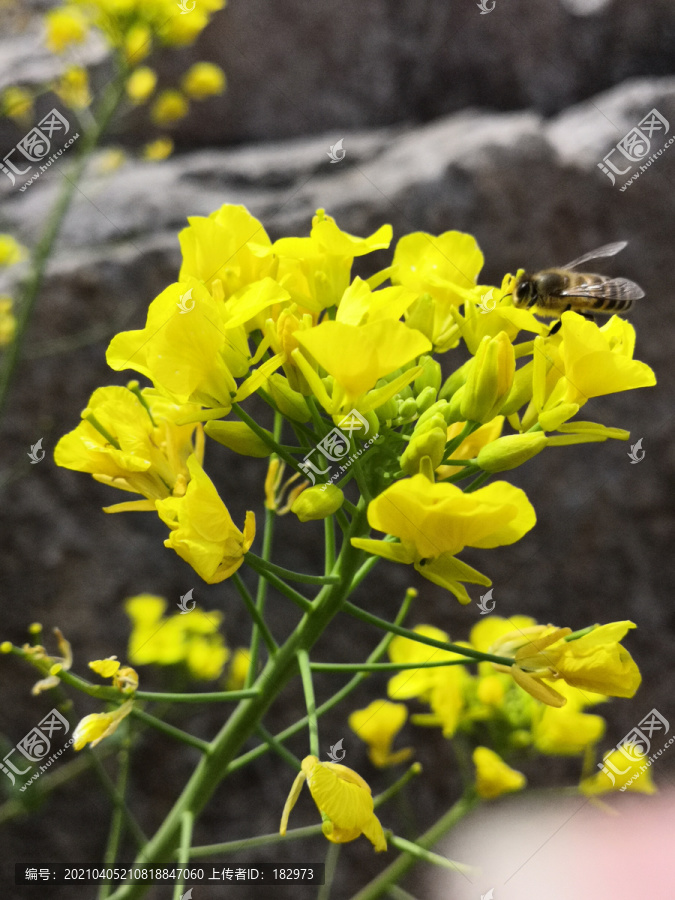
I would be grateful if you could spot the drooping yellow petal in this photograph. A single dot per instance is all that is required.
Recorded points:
(493, 776)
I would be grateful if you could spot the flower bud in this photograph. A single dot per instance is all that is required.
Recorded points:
(238, 437)
(490, 379)
(521, 390)
(439, 407)
(430, 376)
(318, 502)
(407, 409)
(425, 398)
(429, 443)
(291, 403)
(511, 451)
(421, 315)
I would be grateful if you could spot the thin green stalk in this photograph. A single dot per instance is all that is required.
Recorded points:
(310, 702)
(406, 861)
(209, 697)
(452, 445)
(329, 540)
(261, 591)
(171, 731)
(386, 667)
(263, 630)
(244, 719)
(333, 701)
(262, 840)
(298, 577)
(332, 855)
(279, 748)
(285, 589)
(397, 893)
(117, 819)
(460, 476)
(414, 770)
(43, 249)
(425, 855)
(423, 639)
(265, 437)
(477, 482)
(186, 826)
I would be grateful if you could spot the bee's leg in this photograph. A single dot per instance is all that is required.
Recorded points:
(555, 328)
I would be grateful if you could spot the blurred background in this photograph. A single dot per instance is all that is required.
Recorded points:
(494, 123)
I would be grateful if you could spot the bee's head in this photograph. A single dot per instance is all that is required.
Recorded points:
(525, 292)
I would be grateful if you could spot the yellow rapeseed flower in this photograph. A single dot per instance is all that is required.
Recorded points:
(130, 441)
(620, 773)
(202, 530)
(17, 103)
(493, 776)
(73, 87)
(169, 107)
(202, 80)
(97, 726)
(7, 320)
(11, 251)
(342, 797)
(377, 725)
(141, 83)
(436, 521)
(158, 150)
(595, 662)
(65, 26)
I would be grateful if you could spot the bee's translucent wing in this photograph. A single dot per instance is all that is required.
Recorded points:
(612, 289)
(600, 253)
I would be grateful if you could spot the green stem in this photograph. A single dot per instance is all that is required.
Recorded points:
(477, 482)
(45, 245)
(244, 719)
(310, 702)
(329, 540)
(264, 436)
(279, 748)
(386, 667)
(422, 639)
(171, 731)
(414, 770)
(263, 630)
(186, 825)
(333, 701)
(332, 855)
(405, 862)
(425, 855)
(117, 819)
(469, 428)
(214, 697)
(285, 589)
(266, 566)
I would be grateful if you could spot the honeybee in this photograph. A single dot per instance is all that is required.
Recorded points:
(554, 291)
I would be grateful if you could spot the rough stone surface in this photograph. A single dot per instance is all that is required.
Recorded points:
(531, 192)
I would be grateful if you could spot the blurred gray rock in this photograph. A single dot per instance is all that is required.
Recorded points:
(297, 68)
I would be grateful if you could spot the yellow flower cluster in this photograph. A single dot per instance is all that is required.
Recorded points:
(286, 319)
(586, 668)
(11, 253)
(192, 638)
